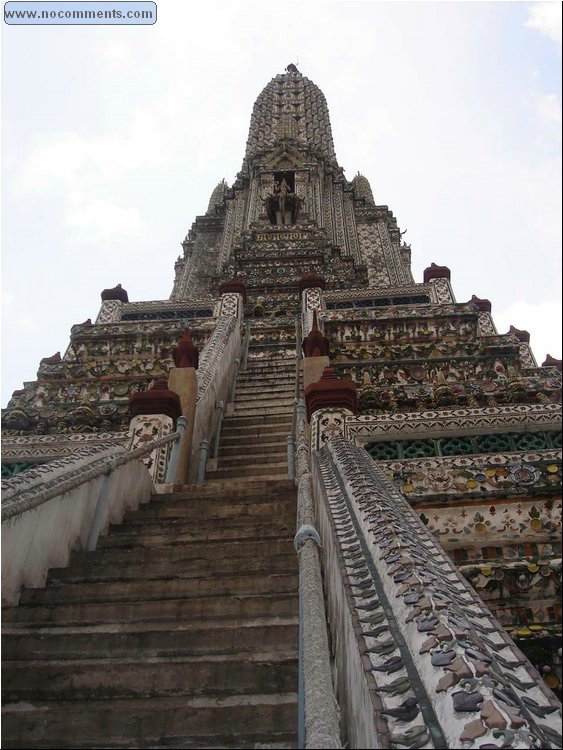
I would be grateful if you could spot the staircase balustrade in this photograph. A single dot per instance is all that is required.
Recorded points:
(45, 516)
(216, 380)
(318, 712)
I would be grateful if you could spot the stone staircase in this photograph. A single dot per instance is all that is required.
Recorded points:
(181, 629)
(254, 437)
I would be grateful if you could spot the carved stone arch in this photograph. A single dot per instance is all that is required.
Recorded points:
(285, 157)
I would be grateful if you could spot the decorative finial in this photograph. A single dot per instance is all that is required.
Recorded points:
(186, 354)
(291, 68)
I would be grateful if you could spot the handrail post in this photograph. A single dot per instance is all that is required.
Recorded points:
(246, 344)
(231, 398)
(101, 505)
(221, 407)
(181, 424)
(203, 448)
(294, 417)
(290, 457)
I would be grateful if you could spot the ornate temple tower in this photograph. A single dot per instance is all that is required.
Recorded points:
(340, 233)
(435, 443)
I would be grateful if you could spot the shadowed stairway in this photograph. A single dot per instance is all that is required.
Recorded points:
(180, 630)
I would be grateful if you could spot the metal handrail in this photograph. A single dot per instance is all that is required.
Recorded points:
(202, 462)
(181, 426)
(33, 497)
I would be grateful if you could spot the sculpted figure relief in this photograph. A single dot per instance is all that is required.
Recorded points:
(282, 205)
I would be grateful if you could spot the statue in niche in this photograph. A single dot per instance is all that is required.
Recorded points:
(282, 204)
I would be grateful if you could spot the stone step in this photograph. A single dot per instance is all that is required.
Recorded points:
(276, 386)
(148, 639)
(133, 568)
(259, 358)
(258, 368)
(215, 491)
(268, 367)
(197, 722)
(163, 588)
(257, 419)
(196, 608)
(273, 470)
(202, 554)
(222, 508)
(272, 671)
(266, 530)
(262, 408)
(262, 377)
(263, 432)
(252, 447)
(282, 381)
(242, 526)
(242, 459)
(273, 351)
(274, 405)
(271, 393)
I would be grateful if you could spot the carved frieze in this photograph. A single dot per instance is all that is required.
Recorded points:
(471, 476)
(362, 428)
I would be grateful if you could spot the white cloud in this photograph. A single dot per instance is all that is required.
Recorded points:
(92, 173)
(549, 110)
(102, 219)
(545, 17)
(118, 53)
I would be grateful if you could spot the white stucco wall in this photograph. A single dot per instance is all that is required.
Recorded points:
(43, 537)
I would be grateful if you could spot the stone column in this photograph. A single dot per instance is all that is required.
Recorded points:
(527, 358)
(112, 304)
(316, 350)
(233, 297)
(153, 415)
(311, 289)
(439, 279)
(485, 324)
(329, 401)
(182, 379)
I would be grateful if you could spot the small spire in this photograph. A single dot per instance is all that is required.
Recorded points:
(362, 188)
(186, 354)
(216, 199)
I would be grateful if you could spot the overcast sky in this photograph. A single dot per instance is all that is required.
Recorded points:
(114, 137)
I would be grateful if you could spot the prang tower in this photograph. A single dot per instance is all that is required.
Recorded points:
(297, 361)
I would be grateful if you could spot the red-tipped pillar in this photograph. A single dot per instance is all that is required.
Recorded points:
(183, 380)
(329, 402)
